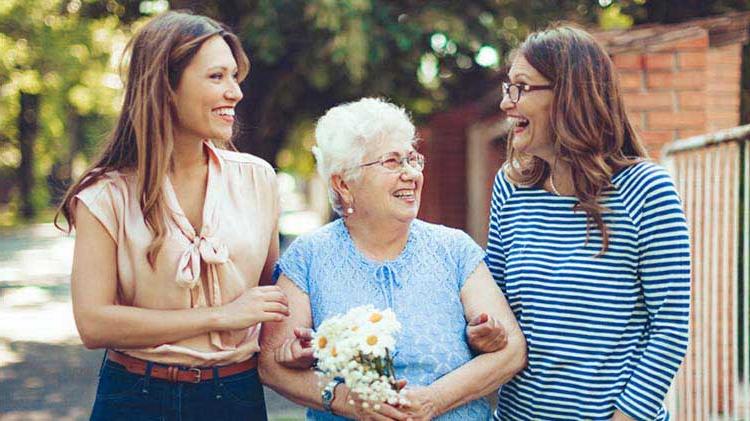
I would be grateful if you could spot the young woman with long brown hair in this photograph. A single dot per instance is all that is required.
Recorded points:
(588, 242)
(174, 236)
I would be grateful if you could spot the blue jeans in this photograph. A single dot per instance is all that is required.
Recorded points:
(122, 395)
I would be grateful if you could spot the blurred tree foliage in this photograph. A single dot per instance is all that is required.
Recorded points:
(60, 89)
(310, 55)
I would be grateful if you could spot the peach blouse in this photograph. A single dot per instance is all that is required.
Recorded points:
(205, 269)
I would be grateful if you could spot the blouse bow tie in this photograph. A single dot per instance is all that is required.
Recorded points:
(202, 248)
(387, 280)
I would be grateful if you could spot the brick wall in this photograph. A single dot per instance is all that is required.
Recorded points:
(723, 79)
(680, 88)
(675, 85)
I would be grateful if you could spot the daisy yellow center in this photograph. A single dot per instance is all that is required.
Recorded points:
(322, 342)
(334, 352)
(372, 340)
(376, 317)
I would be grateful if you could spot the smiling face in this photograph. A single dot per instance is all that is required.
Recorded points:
(532, 134)
(380, 194)
(207, 93)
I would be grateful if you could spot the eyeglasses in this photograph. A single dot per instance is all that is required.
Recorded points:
(513, 90)
(394, 162)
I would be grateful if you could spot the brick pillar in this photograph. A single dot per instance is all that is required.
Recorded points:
(723, 83)
(664, 86)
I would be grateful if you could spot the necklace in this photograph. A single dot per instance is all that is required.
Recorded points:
(552, 184)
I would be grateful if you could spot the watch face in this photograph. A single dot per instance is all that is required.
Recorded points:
(327, 395)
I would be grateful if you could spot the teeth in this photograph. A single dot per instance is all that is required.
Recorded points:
(225, 111)
(404, 194)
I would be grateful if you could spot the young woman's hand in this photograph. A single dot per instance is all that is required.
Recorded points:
(486, 334)
(256, 305)
(297, 352)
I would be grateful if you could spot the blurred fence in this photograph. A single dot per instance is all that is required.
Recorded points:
(712, 174)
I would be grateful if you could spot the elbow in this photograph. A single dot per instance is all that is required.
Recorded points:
(90, 339)
(265, 375)
(519, 362)
(513, 360)
(91, 335)
(519, 355)
(266, 370)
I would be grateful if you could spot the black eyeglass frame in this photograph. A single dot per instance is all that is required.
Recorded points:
(522, 87)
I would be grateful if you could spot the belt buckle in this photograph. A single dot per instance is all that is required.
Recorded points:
(197, 372)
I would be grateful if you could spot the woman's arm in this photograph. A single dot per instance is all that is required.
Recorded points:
(302, 386)
(484, 373)
(664, 272)
(266, 276)
(102, 323)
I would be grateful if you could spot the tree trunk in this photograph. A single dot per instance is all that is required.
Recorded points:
(61, 175)
(28, 124)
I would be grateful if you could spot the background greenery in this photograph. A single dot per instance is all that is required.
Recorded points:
(60, 87)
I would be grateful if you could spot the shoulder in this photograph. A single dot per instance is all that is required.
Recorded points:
(107, 199)
(642, 177)
(424, 227)
(117, 183)
(502, 188)
(440, 234)
(450, 247)
(320, 239)
(501, 177)
(647, 191)
(241, 159)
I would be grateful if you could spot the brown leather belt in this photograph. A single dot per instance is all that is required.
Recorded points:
(179, 374)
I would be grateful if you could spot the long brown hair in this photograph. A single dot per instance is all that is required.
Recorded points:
(592, 132)
(142, 140)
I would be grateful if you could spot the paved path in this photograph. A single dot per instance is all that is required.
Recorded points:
(45, 372)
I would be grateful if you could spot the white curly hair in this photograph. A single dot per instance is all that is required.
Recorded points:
(345, 133)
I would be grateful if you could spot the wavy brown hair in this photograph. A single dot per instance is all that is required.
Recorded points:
(592, 132)
(142, 140)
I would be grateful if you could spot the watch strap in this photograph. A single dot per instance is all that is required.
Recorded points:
(329, 393)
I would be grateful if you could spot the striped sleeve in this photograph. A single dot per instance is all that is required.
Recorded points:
(495, 257)
(664, 271)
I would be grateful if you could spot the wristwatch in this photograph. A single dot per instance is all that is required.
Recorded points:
(329, 393)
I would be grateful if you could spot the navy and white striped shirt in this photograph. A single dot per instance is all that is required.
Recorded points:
(602, 332)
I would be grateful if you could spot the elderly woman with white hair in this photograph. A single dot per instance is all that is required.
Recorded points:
(433, 277)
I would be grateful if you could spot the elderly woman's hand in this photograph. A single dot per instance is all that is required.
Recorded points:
(421, 405)
(384, 412)
(486, 334)
(297, 352)
(361, 410)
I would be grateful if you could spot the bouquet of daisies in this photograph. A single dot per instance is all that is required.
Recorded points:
(358, 348)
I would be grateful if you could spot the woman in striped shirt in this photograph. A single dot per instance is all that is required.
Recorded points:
(588, 242)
